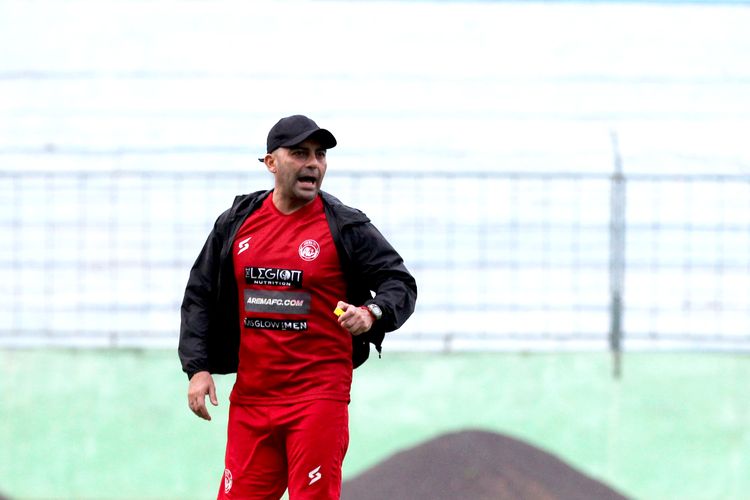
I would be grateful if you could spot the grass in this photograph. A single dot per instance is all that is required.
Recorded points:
(115, 424)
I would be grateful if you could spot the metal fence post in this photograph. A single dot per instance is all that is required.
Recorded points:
(616, 258)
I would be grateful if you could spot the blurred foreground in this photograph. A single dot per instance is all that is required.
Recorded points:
(475, 464)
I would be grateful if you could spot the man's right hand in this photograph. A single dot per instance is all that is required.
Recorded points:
(201, 384)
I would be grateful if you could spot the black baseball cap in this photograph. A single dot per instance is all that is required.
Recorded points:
(292, 130)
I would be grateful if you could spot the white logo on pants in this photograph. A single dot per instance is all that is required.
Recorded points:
(227, 480)
(314, 475)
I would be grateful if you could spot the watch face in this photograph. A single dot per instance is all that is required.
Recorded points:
(375, 310)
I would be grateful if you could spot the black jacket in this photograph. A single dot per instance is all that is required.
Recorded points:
(210, 327)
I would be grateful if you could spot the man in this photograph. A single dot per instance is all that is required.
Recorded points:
(282, 294)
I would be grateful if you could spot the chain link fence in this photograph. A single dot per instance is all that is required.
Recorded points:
(504, 261)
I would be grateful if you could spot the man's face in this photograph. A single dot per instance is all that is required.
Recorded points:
(299, 172)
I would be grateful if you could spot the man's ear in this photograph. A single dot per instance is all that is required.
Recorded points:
(270, 162)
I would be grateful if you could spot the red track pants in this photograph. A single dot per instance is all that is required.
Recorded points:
(299, 446)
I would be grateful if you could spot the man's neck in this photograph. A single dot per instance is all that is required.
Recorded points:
(287, 205)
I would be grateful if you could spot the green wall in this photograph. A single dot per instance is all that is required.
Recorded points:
(115, 424)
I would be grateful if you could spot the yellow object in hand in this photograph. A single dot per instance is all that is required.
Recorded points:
(338, 311)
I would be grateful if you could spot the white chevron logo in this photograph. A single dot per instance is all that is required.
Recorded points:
(244, 245)
(314, 475)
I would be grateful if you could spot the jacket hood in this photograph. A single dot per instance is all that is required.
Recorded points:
(347, 214)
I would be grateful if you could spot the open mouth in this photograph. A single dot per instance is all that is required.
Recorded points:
(307, 179)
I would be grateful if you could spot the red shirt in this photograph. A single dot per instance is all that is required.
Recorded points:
(289, 280)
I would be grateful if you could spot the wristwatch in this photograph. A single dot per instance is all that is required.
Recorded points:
(375, 310)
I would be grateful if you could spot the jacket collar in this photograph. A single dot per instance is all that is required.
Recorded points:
(247, 203)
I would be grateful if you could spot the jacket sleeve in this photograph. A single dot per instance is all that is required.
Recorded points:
(198, 305)
(383, 271)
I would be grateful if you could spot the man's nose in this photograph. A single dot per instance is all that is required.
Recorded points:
(313, 160)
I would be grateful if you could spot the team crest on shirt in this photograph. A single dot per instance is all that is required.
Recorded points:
(309, 250)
